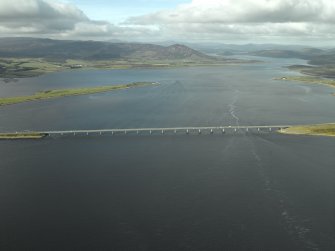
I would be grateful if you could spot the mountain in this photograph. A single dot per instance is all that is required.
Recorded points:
(94, 50)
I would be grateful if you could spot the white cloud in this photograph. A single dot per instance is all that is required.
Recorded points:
(244, 11)
(243, 19)
(53, 18)
(39, 16)
(219, 20)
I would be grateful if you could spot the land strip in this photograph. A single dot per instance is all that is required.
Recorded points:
(309, 80)
(31, 67)
(317, 130)
(69, 92)
(22, 135)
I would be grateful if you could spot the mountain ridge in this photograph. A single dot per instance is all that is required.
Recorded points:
(94, 50)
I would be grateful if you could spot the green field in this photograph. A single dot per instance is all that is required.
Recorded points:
(319, 130)
(32, 67)
(69, 92)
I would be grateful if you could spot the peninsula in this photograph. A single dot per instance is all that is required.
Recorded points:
(22, 135)
(70, 92)
(317, 130)
(309, 79)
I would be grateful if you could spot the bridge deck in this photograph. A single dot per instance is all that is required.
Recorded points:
(165, 129)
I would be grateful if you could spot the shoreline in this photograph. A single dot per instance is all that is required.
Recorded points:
(18, 136)
(327, 130)
(308, 79)
(59, 93)
(34, 67)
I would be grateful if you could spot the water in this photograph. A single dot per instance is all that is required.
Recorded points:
(238, 191)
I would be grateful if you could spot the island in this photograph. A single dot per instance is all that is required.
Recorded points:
(317, 130)
(70, 92)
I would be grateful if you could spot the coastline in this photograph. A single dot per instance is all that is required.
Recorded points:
(17, 136)
(58, 93)
(327, 130)
(309, 80)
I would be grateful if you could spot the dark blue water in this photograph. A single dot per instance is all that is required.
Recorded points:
(238, 191)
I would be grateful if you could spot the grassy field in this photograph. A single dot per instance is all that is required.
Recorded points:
(32, 67)
(28, 135)
(319, 130)
(69, 92)
(27, 67)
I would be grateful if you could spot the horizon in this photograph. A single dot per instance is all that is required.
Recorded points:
(279, 22)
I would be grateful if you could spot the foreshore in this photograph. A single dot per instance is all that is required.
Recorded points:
(28, 135)
(70, 92)
(315, 130)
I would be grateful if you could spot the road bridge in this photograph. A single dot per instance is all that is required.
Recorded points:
(173, 130)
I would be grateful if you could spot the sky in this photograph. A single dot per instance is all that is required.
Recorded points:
(202, 21)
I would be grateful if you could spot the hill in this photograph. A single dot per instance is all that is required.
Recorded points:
(321, 63)
(93, 50)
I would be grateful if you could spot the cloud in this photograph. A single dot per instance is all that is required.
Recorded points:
(240, 19)
(210, 20)
(56, 19)
(244, 11)
(39, 16)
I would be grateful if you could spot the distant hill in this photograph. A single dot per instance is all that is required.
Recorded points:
(313, 55)
(94, 50)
